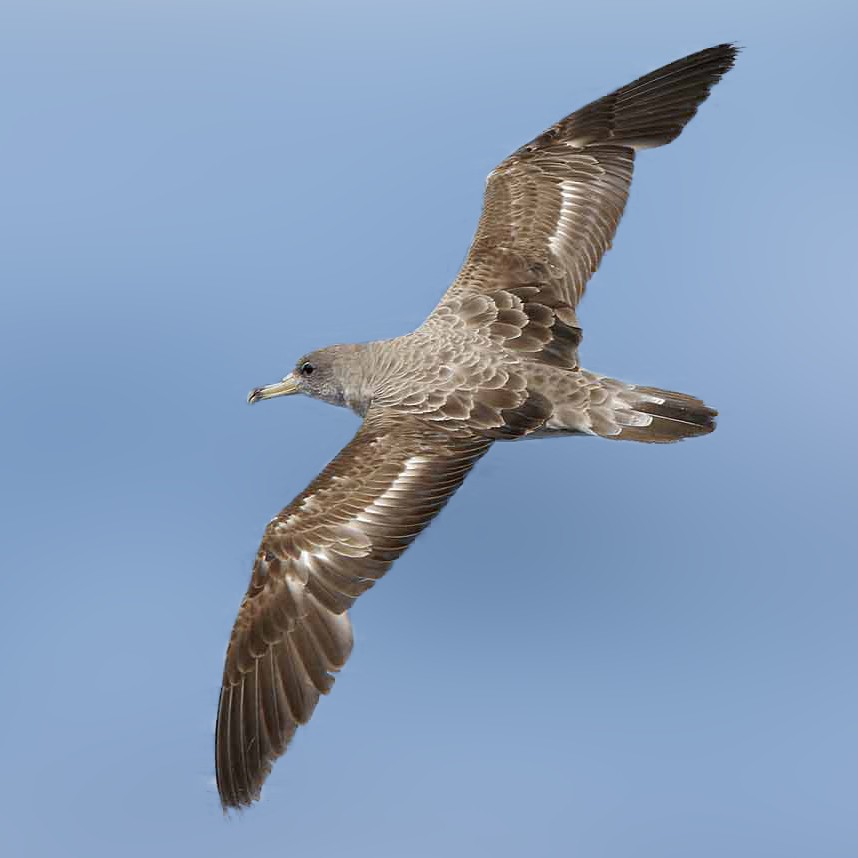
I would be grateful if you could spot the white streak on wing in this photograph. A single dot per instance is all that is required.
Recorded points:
(319, 554)
(387, 499)
(305, 565)
(412, 465)
(568, 206)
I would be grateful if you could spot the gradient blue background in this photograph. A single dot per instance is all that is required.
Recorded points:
(599, 649)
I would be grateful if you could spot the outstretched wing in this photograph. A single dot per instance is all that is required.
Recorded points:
(326, 548)
(551, 209)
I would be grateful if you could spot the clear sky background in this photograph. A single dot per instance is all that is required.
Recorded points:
(599, 649)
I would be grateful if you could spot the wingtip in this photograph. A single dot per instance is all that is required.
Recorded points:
(730, 52)
(724, 55)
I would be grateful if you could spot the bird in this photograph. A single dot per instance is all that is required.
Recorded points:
(496, 360)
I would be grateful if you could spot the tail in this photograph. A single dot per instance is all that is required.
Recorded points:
(598, 405)
(629, 412)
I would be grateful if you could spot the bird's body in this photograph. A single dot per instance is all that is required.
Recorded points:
(496, 360)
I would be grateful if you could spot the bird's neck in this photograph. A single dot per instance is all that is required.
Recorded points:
(358, 376)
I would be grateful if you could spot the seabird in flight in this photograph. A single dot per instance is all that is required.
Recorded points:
(497, 359)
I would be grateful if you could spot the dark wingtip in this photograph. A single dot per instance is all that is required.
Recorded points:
(729, 51)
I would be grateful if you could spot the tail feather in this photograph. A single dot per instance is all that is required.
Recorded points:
(591, 404)
(660, 416)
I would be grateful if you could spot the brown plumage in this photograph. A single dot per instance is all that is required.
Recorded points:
(496, 360)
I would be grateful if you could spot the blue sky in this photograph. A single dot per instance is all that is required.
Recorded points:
(598, 649)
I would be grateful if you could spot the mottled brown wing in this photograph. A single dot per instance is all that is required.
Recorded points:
(551, 209)
(326, 548)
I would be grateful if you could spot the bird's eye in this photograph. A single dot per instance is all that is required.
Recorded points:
(307, 369)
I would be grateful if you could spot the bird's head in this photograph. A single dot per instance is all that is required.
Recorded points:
(335, 374)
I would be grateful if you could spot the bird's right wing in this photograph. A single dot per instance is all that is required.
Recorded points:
(327, 547)
(551, 208)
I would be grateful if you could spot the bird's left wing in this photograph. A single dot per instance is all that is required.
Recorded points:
(322, 551)
(551, 208)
